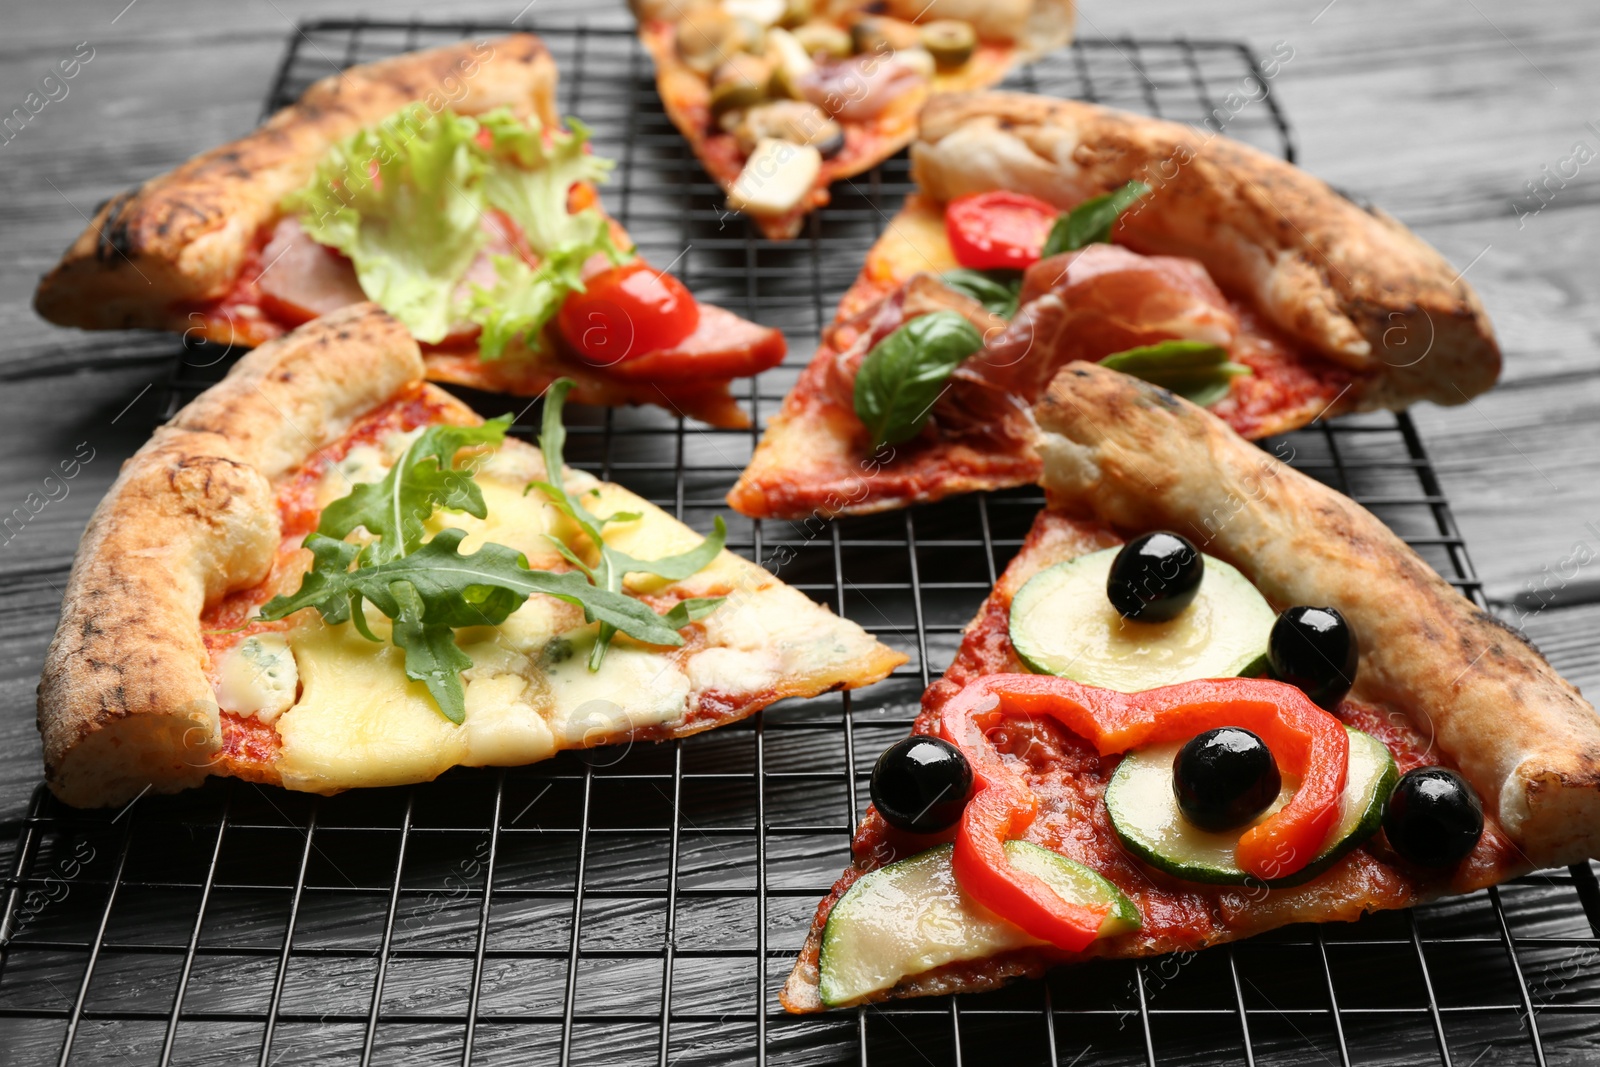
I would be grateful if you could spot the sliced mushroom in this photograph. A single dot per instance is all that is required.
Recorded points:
(709, 35)
(792, 121)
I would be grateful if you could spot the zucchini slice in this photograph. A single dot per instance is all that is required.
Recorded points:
(911, 917)
(1144, 812)
(1062, 623)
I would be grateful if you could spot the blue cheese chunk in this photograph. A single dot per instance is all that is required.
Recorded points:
(258, 677)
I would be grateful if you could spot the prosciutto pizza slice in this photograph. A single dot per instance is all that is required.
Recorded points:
(441, 186)
(1071, 790)
(781, 98)
(326, 573)
(1230, 276)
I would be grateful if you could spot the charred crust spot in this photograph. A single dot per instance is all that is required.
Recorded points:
(115, 240)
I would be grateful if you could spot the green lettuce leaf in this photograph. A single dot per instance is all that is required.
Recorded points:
(403, 200)
(529, 181)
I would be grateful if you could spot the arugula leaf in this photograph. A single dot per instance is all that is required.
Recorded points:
(614, 564)
(402, 199)
(430, 588)
(905, 373)
(432, 657)
(423, 480)
(1091, 221)
(1198, 371)
(997, 290)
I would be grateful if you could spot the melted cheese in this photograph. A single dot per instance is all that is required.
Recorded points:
(529, 692)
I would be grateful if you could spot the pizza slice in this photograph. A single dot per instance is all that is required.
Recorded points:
(325, 573)
(1071, 790)
(1186, 258)
(781, 98)
(441, 186)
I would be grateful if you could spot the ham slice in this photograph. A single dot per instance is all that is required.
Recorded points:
(301, 280)
(722, 346)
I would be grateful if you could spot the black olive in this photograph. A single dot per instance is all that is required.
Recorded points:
(1433, 817)
(1224, 778)
(921, 784)
(1155, 577)
(832, 145)
(1314, 650)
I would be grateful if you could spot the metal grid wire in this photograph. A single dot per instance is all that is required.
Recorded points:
(644, 905)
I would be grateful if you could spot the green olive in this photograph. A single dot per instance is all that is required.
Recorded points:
(951, 41)
(825, 38)
(739, 82)
(880, 36)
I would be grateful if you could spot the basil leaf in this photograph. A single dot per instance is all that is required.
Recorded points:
(1091, 221)
(1198, 371)
(906, 372)
(996, 290)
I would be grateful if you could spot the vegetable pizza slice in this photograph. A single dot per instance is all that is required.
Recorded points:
(1208, 698)
(1046, 231)
(441, 186)
(326, 573)
(782, 98)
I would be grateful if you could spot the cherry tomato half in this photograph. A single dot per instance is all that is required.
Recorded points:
(627, 312)
(998, 229)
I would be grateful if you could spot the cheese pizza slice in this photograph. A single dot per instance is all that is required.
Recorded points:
(441, 186)
(1047, 231)
(325, 573)
(782, 98)
(1208, 698)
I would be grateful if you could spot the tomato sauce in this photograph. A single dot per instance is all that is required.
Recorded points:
(250, 746)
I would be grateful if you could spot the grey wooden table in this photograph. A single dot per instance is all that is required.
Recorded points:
(1441, 111)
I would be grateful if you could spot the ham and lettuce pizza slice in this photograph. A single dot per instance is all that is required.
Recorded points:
(1064, 231)
(1208, 698)
(326, 573)
(441, 186)
(781, 98)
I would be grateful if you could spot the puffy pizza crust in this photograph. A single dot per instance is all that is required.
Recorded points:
(1353, 284)
(124, 701)
(1137, 457)
(183, 237)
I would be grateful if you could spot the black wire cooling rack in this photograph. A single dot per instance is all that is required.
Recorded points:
(643, 905)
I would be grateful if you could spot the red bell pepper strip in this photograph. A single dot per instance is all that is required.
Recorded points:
(1305, 740)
